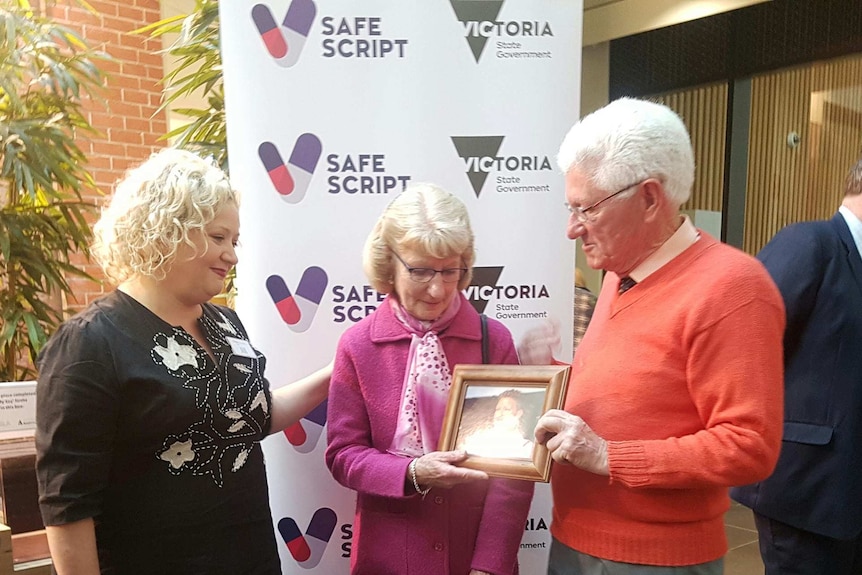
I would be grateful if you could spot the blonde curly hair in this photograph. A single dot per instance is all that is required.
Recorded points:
(155, 209)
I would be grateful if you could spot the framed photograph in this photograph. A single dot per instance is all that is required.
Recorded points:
(492, 412)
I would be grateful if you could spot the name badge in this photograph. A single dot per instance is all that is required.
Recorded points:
(241, 347)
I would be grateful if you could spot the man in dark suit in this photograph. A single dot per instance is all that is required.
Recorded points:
(809, 512)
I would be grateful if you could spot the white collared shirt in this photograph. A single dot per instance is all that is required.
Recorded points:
(682, 239)
(855, 226)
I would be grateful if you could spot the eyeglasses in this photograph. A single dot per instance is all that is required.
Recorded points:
(425, 275)
(582, 215)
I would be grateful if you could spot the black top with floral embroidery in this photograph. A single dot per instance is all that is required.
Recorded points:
(138, 428)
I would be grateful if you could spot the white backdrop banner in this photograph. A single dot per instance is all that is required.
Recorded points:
(333, 107)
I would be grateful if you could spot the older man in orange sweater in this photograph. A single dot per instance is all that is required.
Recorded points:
(676, 389)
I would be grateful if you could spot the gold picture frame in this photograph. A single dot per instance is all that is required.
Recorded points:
(492, 411)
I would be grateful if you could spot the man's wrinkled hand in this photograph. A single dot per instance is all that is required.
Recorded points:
(571, 441)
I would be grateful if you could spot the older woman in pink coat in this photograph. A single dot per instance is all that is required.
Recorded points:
(417, 512)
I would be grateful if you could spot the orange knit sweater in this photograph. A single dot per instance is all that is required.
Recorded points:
(682, 375)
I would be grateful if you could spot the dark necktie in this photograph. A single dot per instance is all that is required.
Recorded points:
(626, 284)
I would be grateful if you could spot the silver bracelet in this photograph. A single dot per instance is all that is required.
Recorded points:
(412, 468)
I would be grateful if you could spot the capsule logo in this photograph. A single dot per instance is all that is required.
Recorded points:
(298, 310)
(305, 433)
(308, 549)
(284, 43)
(291, 180)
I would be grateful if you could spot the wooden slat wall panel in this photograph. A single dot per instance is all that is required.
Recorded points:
(775, 170)
(822, 103)
(704, 111)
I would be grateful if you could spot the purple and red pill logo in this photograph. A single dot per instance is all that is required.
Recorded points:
(298, 309)
(284, 43)
(291, 180)
(304, 434)
(308, 549)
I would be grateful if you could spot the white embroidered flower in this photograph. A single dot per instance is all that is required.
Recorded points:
(179, 453)
(177, 355)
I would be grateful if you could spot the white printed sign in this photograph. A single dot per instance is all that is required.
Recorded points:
(333, 106)
(17, 407)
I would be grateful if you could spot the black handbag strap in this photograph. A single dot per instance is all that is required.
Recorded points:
(484, 320)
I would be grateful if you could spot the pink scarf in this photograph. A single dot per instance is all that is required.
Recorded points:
(426, 383)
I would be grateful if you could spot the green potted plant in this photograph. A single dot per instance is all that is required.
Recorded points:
(45, 71)
(196, 75)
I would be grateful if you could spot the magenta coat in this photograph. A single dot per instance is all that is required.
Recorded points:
(475, 525)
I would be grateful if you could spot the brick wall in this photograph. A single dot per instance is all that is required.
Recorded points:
(128, 125)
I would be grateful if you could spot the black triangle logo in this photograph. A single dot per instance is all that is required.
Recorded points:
(477, 147)
(476, 11)
(483, 277)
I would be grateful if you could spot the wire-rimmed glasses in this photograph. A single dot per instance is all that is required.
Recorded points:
(425, 275)
(582, 214)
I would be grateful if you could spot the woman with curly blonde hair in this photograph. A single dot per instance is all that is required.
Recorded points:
(151, 403)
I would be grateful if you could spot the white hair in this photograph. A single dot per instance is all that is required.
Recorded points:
(627, 142)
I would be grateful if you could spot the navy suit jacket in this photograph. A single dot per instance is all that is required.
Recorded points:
(817, 483)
